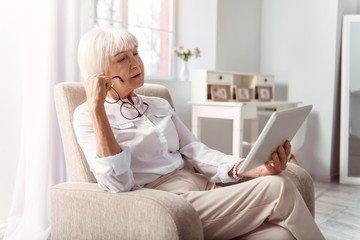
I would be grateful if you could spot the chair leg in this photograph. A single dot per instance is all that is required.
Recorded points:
(293, 159)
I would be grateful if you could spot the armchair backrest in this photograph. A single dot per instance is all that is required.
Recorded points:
(67, 97)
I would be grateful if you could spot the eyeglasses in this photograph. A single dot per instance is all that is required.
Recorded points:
(132, 112)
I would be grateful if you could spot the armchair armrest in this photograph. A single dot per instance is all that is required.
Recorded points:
(84, 211)
(304, 183)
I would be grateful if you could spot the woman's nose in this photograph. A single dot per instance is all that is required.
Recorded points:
(134, 63)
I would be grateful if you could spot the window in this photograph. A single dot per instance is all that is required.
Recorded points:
(151, 21)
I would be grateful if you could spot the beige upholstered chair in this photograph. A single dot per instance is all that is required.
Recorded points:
(81, 210)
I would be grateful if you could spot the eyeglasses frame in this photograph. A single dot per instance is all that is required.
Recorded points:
(132, 105)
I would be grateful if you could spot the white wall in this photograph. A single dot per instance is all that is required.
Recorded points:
(300, 45)
(238, 35)
(11, 63)
(299, 48)
(196, 27)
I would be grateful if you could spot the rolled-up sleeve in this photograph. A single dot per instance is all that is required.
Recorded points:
(112, 165)
(113, 173)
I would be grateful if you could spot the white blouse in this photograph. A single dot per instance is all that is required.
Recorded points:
(152, 145)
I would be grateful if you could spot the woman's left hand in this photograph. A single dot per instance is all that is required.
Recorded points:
(276, 165)
(278, 161)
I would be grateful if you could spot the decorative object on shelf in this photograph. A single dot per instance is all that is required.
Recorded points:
(242, 94)
(264, 93)
(219, 92)
(185, 56)
(184, 72)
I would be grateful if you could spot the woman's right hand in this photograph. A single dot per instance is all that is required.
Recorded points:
(96, 88)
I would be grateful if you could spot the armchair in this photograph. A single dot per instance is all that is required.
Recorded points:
(79, 209)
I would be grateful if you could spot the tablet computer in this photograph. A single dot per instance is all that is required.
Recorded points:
(281, 126)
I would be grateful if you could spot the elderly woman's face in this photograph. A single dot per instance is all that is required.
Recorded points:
(129, 66)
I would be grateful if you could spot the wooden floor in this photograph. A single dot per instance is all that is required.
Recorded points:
(337, 210)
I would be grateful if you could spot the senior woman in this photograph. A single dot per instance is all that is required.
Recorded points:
(132, 141)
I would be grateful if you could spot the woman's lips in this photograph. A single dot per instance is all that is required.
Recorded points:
(136, 76)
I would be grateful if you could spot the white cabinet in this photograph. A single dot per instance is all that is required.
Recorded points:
(202, 79)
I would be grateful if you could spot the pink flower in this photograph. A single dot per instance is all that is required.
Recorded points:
(186, 55)
(197, 51)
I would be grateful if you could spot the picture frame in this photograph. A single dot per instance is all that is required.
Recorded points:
(242, 94)
(264, 93)
(219, 92)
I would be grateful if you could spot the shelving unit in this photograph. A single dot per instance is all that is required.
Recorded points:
(202, 79)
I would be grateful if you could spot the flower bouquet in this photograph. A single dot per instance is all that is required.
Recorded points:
(185, 55)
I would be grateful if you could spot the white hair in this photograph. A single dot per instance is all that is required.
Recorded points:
(97, 45)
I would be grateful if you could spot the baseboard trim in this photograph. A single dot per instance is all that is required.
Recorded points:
(326, 179)
(2, 230)
(335, 177)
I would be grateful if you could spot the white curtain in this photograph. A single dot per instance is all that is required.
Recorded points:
(50, 37)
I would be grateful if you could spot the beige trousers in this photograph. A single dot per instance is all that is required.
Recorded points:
(263, 208)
